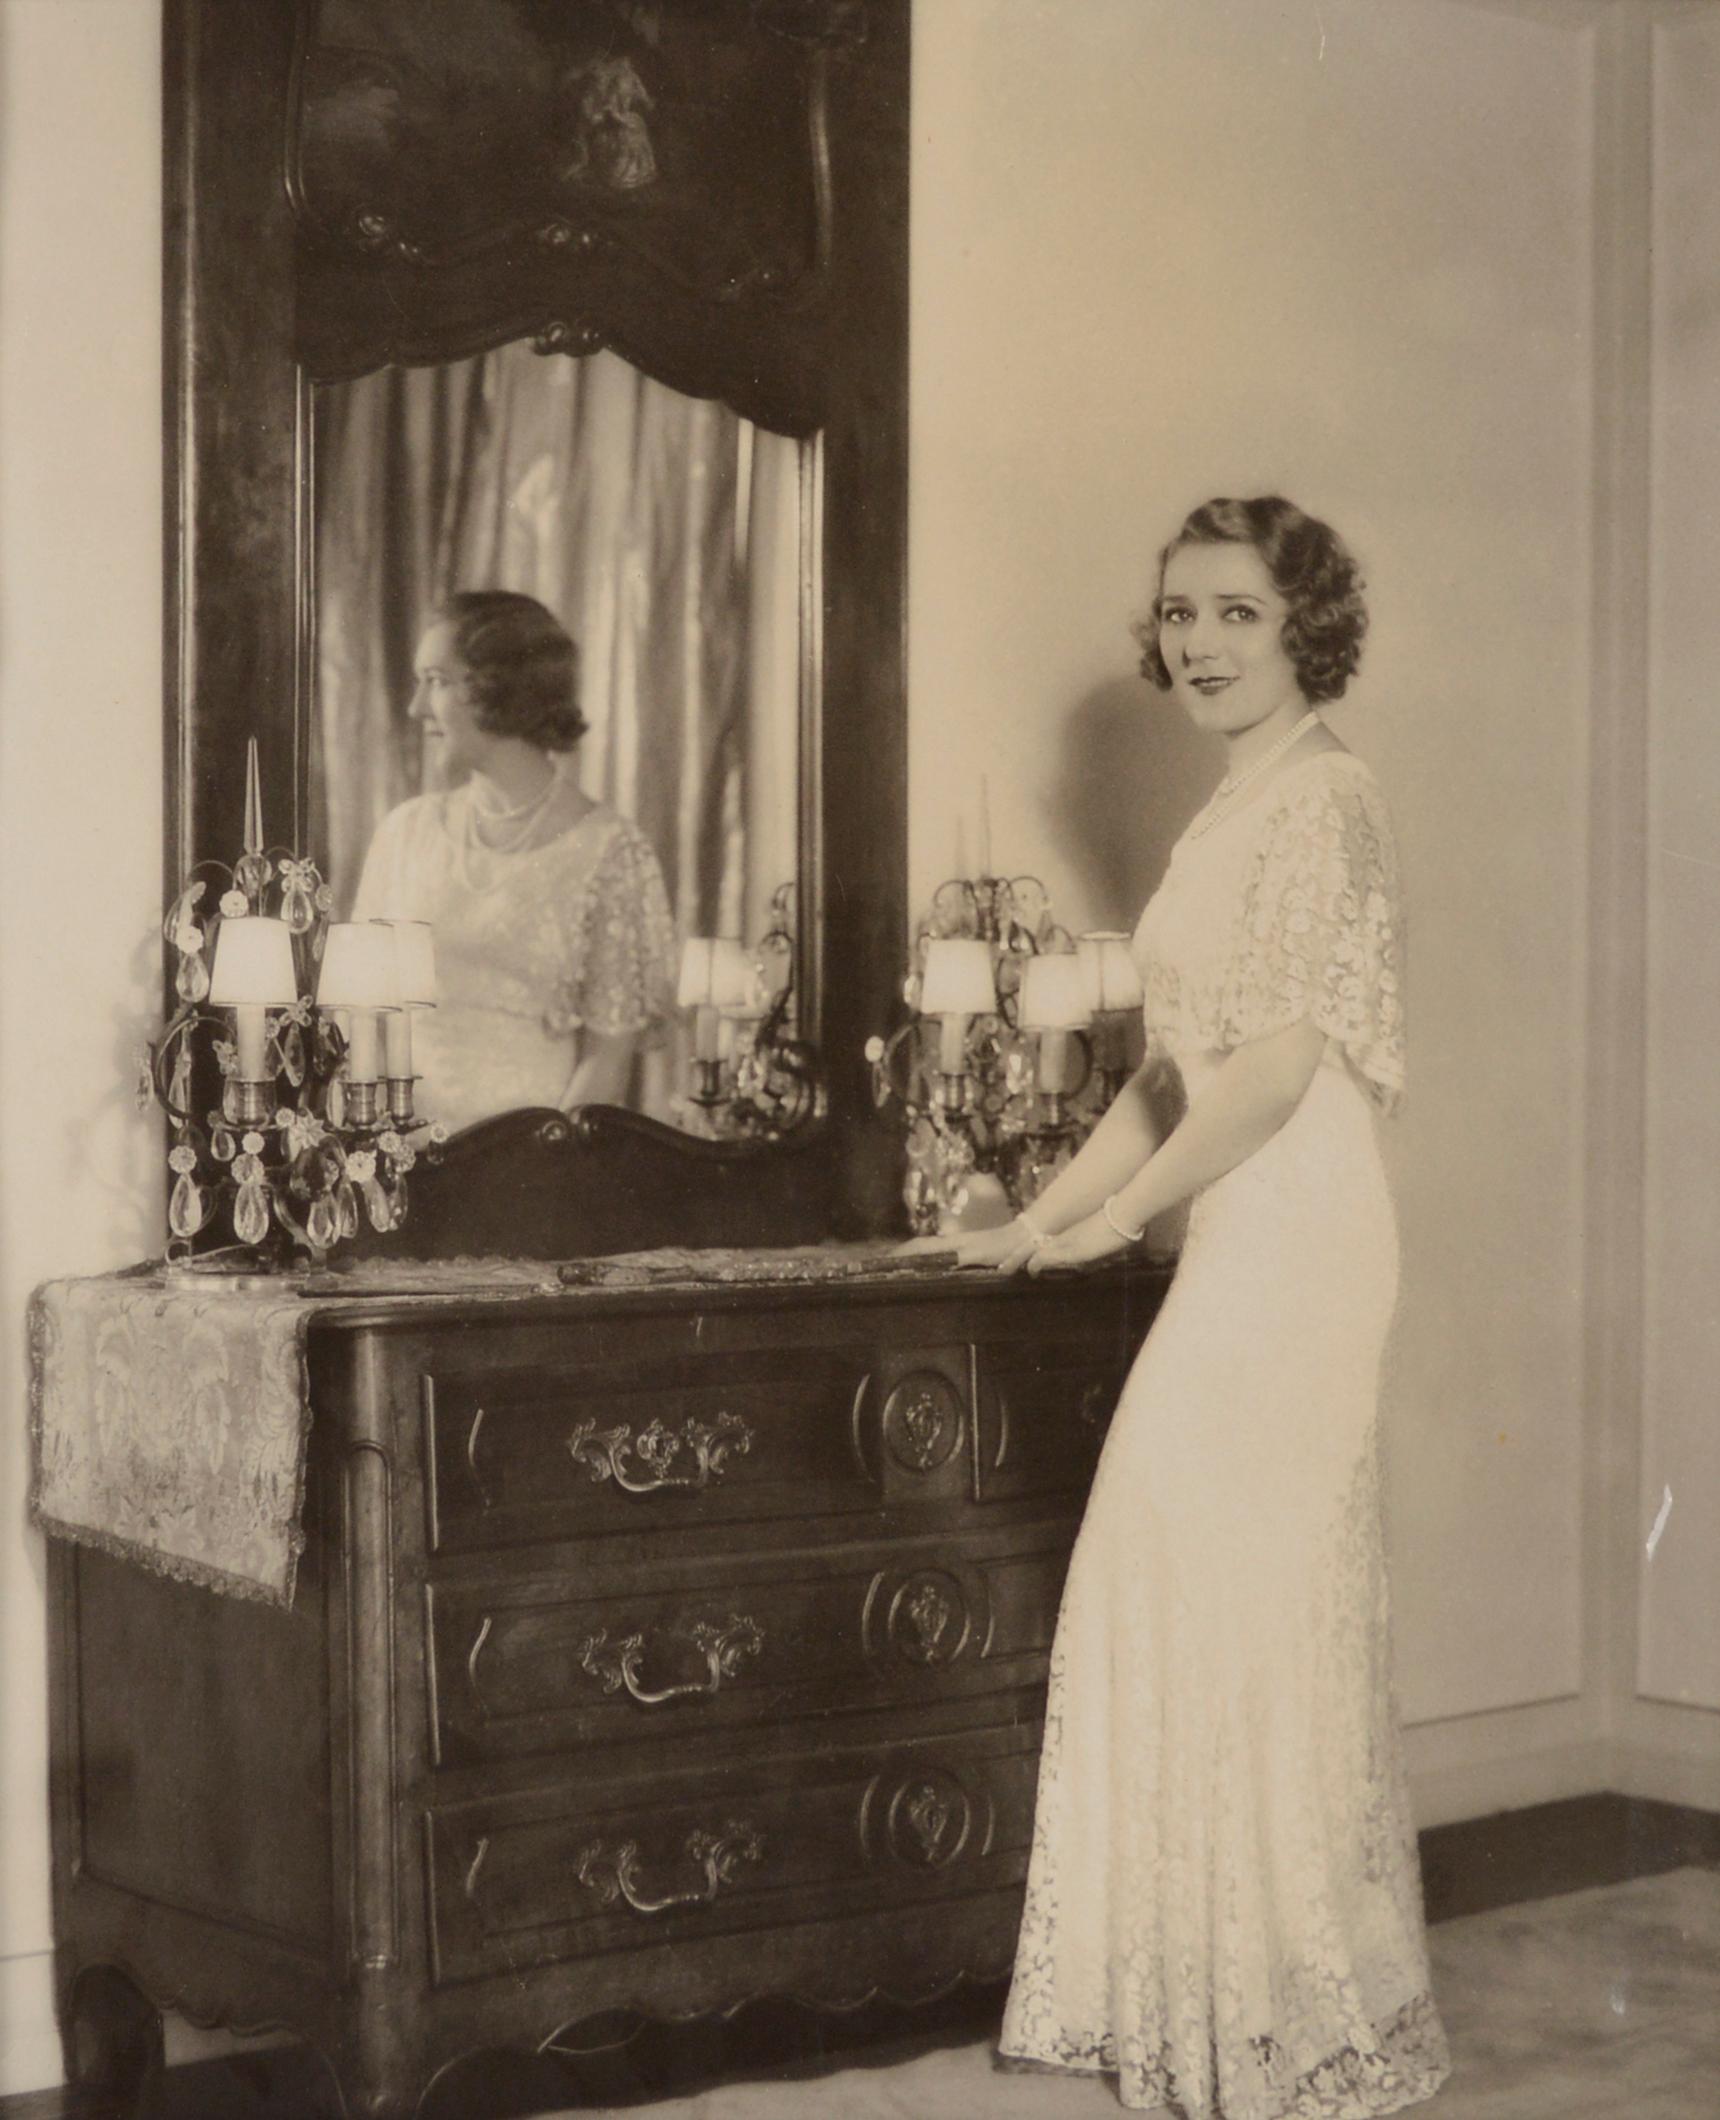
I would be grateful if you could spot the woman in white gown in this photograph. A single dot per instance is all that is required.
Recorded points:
(1223, 1907)
(554, 942)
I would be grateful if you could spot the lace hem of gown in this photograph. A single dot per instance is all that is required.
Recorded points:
(1406, 2063)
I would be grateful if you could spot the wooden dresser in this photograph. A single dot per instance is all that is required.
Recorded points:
(652, 1651)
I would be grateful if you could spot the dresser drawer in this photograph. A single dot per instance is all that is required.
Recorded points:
(567, 1873)
(659, 1440)
(545, 1664)
(1044, 1408)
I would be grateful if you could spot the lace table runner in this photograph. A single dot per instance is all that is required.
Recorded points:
(168, 1426)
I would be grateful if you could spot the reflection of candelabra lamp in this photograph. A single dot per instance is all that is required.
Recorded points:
(752, 1078)
(312, 1099)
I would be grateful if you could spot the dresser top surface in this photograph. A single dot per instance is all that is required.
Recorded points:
(411, 1293)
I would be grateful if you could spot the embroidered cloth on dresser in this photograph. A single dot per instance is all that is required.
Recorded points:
(168, 1419)
(168, 1426)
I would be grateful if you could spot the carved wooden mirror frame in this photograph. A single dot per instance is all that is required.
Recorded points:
(239, 295)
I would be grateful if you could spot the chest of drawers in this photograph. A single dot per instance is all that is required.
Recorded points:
(651, 1652)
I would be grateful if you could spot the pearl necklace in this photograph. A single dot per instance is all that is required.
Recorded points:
(1225, 794)
(524, 820)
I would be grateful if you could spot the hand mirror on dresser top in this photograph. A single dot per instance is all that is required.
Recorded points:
(605, 303)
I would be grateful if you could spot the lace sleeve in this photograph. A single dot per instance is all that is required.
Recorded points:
(1320, 934)
(628, 973)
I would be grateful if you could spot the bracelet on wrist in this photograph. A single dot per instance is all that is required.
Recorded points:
(1129, 1236)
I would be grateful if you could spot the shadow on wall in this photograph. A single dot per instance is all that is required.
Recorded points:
(1132, 774)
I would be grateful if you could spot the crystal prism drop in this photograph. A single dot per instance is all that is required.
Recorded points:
(376, 1200)
(230, 1100)
(293, 1055)
(179, 1090)
(222, 1146)
(186, 1208)
(192, 980)
(397, 1208)
(346, 1209)
(297, 910)
(321, 1223)
(251, 1214)
(334, 1102)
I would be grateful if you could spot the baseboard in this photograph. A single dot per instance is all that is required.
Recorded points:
(1581, 1841)
(1469, 1867)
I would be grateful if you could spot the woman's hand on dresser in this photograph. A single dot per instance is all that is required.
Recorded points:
(1007, 1248)
(1083, 1244)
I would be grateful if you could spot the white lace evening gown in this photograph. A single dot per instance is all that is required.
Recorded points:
(1223, 1906)
(568, 932)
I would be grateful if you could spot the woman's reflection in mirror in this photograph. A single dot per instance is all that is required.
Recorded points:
(555, 949)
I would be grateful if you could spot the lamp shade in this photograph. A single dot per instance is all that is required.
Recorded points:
(1114, 979)
(755, 1001)
(358, 967)
(414, 961)
(253, 964)
(1056, 993)
(958, 979)
(716, 972)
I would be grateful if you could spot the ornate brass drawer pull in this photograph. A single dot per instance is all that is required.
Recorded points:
(724, 1649)
(707, 1444)
(613, 1873)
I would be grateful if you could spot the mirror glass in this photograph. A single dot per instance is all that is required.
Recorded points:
(674, 542)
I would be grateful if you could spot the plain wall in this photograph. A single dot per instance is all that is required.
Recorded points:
(80, 785)
(1164, 251)
(1678, 1528)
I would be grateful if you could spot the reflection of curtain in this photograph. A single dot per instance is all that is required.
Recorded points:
(662, 530)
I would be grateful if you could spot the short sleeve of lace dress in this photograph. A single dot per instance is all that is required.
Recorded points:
(1320, 932)
(628, 974)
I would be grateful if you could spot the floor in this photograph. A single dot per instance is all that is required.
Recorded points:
(1602, 2005)
(1598, 2005)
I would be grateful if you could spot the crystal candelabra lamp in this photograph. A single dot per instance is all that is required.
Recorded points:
(752, 1078)
(994, 1069)
(1115, 996)
(288, 1116)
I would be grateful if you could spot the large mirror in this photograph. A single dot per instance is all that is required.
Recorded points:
(521, 366)
(561, 862)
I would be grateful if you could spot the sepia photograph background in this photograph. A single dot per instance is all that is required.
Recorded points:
(1446, 273)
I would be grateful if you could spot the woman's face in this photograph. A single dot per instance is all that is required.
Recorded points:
(1221, 627)
(442, 701)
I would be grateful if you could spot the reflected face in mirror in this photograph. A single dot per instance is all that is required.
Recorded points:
(442, 702)
(553, 941)
(663, 535)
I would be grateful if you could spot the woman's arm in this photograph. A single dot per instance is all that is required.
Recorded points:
(1256, 1089)
(1111, 1154)
(603, 1072)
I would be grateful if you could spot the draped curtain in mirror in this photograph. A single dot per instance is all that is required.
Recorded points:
(663, 530)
